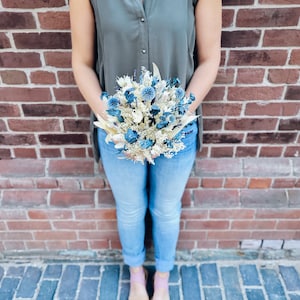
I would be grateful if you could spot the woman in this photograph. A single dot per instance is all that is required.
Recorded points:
(115, 38)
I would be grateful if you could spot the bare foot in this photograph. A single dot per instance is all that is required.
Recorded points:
(138, 284)
(161, 286)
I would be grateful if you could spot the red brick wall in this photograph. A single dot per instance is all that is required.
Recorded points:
(245, 184)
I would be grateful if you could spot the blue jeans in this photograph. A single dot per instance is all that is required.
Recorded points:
(158, 187)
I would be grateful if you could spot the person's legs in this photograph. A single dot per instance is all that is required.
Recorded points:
(128, 183)
(168, 178)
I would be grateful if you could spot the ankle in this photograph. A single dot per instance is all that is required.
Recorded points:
(161, 280)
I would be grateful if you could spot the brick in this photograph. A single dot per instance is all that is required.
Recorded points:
(4, 41)
(28, 225)
(17, 139)
(190, 282)
(194, 213)
(66, 77)
(24, 198)
(20, 60)
(9, 110)
(69, 282)
(50, 153)
(254, 124)
(288, 76)
(248, 151)
(275, 214)
(54, 20)
(281, 37)
(49, 214)
(42, 77)
(18, 94)
(58, 59)
(231, 283)
(250, 75)
(222, 152)
(291, 277)
(284, 183)
(271, 109)
(253, 225)
(221, 109)
(106, 199)
(260, 183)
(29, 283)
(209, 274)
(271, 138)
(31, 125)
(263, 198)
(44, 40)
(212, 182)
(237, 2)
(289, 124)
(272, 244)
(269, 151)
(109, 282)
(69, 199)
(8, 287)
(268, 17)
(212, 124)
(71, 167)
(240, 38)
(15, 236)
(227, 17)
(47, 289)
(105, 214)
(22, 168)
(294, 198)
(25, 153)
(206, 225)
(287, 225)
(76, 225)
(257, 58)
(223, 138)
(219, 167)
(291, 244)
(292, 93)
(56, 236)
(12, 214)
(78, 125)
(15, 20)
(249, 275)
(12, 77)
(215, 94)
(48, 110)
(272, 283)
(67, 94)
(225, 76)
(231, 183)
(255, 93)
(107, 225)
(75, 152)
(88, 289)
(32, 3)
(295, 57)
(216, 198)
(63, 139)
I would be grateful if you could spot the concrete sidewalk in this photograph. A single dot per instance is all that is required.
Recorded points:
(210, 280)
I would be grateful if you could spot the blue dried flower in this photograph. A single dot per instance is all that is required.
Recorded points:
(113, 102)
(145, 144)
(131, 136)
(114, 112)
(148, 93)
(104, 95)
(179, 93)
(192, 97)
(169, 144)
(130, 97)
(162, 124)
(155, 80)
(154, 109)
(173, 82)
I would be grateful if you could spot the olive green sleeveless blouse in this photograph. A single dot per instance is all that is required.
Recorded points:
(135, 33)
